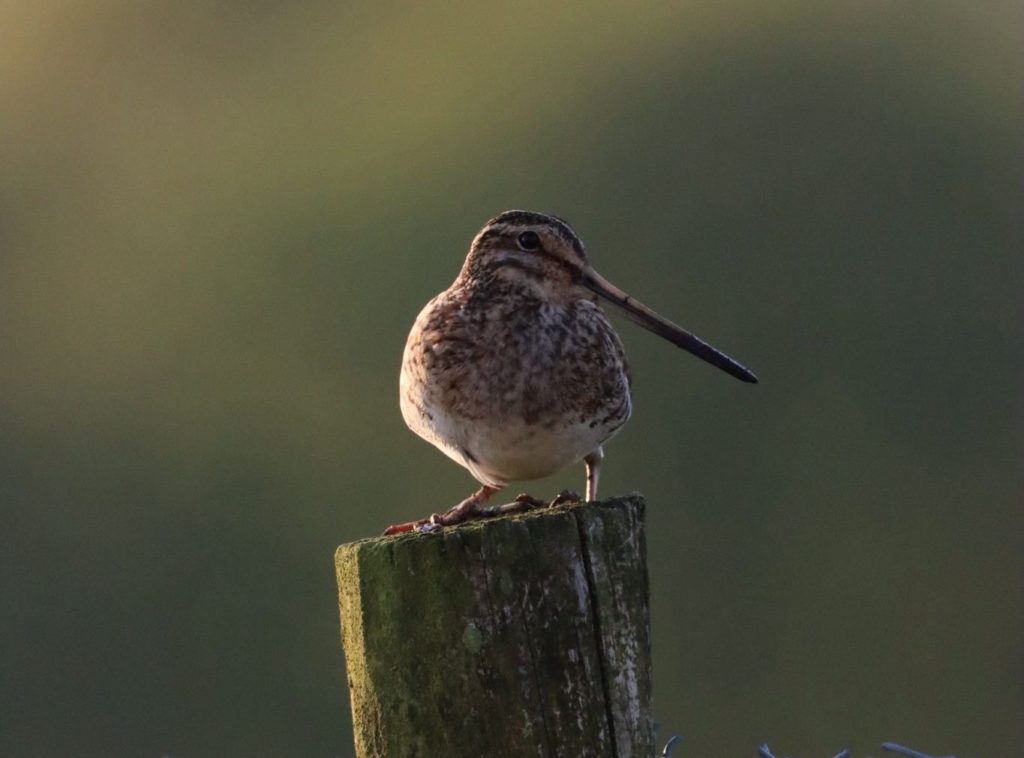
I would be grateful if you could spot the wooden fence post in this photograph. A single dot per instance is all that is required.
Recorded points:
(526, 635)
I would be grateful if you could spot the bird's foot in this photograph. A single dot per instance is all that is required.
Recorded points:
(522, 503)
(473, 508)
(470, 508)
(565, 497)
(422, 525)
(432, 523)
(464, 511)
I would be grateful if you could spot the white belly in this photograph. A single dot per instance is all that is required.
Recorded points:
(499, 451)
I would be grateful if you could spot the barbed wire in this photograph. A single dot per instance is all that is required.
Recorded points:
(764, 751)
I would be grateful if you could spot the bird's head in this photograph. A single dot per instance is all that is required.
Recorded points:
(542, 253)
(536, 251)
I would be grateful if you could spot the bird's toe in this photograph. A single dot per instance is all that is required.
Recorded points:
(565, 497)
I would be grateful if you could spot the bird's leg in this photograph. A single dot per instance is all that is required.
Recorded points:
(593, 462)
(467, 509)
(471, 507)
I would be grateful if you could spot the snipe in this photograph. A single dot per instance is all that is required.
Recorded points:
(514, 372)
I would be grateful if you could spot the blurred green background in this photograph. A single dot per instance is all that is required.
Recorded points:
(218, 221)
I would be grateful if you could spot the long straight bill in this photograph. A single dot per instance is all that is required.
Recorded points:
(639, 313)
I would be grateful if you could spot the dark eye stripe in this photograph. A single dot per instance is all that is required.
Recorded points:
(572, 268)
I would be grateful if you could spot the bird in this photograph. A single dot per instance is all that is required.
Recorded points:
(515, 372)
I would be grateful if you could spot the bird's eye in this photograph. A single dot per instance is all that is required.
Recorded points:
(529, 241)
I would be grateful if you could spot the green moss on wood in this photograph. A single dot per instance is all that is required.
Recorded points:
(524, 635)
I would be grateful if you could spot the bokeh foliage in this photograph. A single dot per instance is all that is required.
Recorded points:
(217, 222)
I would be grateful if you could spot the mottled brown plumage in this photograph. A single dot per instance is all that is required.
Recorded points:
(514, 371)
